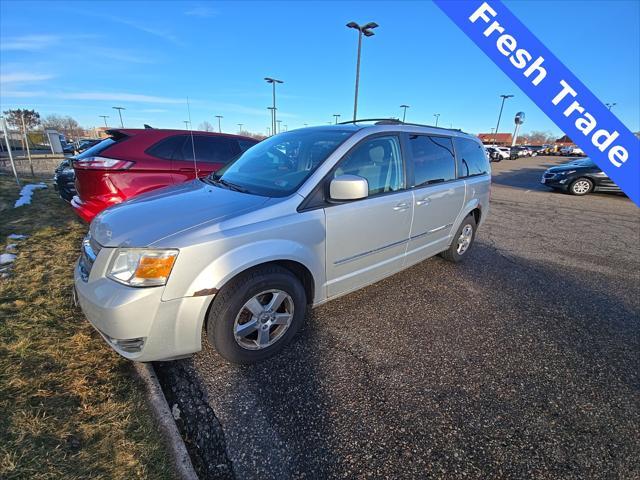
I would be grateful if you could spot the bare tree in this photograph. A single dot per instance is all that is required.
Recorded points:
(257, 136)
(536, 138)
(205, 127)
(66, 125)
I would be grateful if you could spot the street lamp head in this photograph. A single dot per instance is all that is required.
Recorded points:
(353, 25)
(272, 80)
(367, 33)
(370, 25)
(506, 96)
(404, 106)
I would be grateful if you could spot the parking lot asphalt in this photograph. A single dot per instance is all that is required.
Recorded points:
(521, 362)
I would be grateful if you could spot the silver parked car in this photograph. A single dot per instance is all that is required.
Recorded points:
(299, 219)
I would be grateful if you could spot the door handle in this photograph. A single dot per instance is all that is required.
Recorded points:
(424, 201)
(401, 206)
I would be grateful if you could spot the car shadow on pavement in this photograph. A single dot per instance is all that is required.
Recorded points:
(500, 366)
(525, 178)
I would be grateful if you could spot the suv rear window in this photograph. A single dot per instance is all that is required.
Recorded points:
(471, 158)
(96, 149)
(433, 159)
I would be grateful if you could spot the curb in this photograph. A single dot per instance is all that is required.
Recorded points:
(168, 429)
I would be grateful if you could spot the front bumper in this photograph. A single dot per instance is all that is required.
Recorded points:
(135, 322)
(556, 181)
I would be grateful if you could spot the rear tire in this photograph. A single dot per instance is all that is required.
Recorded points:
(462, 241)
(581, 186)
(242, 327)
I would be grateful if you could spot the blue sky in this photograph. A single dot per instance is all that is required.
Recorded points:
(80, 59)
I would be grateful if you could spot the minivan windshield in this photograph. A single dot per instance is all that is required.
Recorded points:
(277, 166)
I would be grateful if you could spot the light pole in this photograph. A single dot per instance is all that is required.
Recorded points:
(366, 31)
(219, 117)
(273, 82)
(104, 117)
(610, 105)
(279, 122)
(240, 127)
(504, 97)
(119, 109)
(186, 124)
(306, 124)
(437, 115)
(268, 131)
(404, 111)
(337, 116)
(273, 124)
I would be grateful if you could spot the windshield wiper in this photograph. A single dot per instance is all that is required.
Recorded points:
(231, 186)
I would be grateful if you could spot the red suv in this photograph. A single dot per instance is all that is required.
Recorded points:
(134, 161)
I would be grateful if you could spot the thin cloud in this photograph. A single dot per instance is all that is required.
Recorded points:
(24, 77)
(119, 97)
(202, 12)
(22, 93)
(29, 42)
(243, 110)
(120, 55)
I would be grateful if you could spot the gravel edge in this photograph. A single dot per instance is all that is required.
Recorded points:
(167, 426)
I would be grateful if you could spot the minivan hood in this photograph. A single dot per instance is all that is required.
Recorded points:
(150, 217)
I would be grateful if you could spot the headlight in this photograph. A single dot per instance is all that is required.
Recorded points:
(139, 267)
(567, 172)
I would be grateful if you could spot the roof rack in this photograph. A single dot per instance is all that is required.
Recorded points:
(395, 121)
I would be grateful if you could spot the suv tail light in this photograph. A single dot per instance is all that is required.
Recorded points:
(102, 163)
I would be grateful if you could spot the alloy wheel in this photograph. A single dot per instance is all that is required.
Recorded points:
(581, 187)
(263, 319)
(464, 240)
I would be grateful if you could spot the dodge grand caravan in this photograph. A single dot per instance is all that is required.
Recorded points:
(298, 219)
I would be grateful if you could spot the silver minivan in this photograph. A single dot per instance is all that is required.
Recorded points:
(299, 219)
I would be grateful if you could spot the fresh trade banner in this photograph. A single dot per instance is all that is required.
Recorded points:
(558, 93)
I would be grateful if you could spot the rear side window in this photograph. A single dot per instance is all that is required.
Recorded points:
(168, 147)
(209, 149)
(471, 158)
(433, 159)
(246, 144)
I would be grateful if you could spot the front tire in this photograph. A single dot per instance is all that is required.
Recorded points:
(257, 314)
(581, 186)
(462, 240)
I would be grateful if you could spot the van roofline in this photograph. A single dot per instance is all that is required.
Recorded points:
(395, 121)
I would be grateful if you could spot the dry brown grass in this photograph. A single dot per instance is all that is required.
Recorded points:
(69, 406)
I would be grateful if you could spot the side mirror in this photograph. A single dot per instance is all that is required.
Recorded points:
(348, 187)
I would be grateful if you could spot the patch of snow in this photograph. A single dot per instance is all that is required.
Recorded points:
(7, 258)
(11, 247)
(27, 192)
(17, 236)
(175, 411)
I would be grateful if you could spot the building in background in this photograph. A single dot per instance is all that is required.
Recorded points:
(501, 139)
